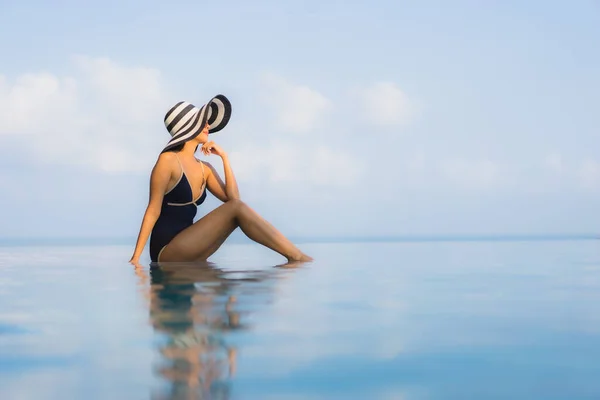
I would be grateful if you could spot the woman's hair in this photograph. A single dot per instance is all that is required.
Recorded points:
(178, 148)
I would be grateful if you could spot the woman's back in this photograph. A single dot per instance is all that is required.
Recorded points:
(177, 211)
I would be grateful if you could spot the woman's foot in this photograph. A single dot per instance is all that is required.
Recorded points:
(299, 258)
(291, 264)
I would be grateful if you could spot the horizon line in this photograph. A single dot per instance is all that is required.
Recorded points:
(122, 240)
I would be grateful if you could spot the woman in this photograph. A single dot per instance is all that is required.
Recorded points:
(178, 185)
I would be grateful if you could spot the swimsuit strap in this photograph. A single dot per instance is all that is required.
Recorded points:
(180, 175)
(180, 165)
(203, 177)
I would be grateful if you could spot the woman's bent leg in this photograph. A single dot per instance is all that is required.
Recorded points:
(197, 241)
(202, 239)
(261, 231)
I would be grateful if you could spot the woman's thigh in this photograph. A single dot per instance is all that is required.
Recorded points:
(204, 237)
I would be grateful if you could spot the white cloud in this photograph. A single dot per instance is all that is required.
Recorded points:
(35, 102)
(583, 173)
(292, 159)
(105, 116)
(108, 116)
(386, 104)
(134, 92)
(298, 108)
(291, 162)
(332, 166)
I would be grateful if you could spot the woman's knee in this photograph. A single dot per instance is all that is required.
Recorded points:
(235, 203)
(236, 206)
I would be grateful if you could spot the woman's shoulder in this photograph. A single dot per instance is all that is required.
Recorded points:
(208, 166)
(165, 160)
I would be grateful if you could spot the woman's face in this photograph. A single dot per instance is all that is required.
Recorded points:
(203, 136)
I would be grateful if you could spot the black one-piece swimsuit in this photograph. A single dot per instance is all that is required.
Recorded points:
(177, 213)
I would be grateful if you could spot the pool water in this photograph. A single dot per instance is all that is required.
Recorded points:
(397, 320)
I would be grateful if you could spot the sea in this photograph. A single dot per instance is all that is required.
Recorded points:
(380, 318)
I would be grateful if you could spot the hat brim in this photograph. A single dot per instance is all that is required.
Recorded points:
(190, 130)
(219, 113)
(216, 113)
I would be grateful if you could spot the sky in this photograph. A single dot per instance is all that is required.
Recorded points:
(350, 118)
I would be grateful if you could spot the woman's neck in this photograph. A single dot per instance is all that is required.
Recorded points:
(189, 149)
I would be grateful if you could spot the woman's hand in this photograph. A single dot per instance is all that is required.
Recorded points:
(211, 147)
(135, 261)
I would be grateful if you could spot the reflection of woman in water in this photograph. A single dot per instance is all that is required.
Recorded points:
(178, 185)
(194, 356)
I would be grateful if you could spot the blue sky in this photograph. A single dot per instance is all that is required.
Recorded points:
(350, 118)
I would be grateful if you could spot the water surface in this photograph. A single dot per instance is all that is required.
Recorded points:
(404, 320)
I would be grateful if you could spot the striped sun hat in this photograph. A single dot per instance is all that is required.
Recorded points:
(185, 121)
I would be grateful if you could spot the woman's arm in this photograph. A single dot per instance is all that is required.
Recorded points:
(223, 191)
(161, 175)
(214, 183)
(231, 187)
